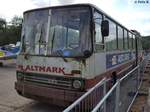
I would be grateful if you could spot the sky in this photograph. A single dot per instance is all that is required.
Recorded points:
(133, 14)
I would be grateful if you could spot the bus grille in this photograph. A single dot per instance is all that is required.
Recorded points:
(46, 80)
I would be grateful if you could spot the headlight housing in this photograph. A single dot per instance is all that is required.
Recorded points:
(20, 76)
(77, 84)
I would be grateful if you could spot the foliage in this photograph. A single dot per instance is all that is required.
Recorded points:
(16, 21)
(146, 42)
(2, 25)
(10, 33)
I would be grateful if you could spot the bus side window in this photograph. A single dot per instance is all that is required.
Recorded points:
(98, 36)
(140, 43)
(125, 40)
(111, 40)
(120, 38)
(134, 42)
(130, 41)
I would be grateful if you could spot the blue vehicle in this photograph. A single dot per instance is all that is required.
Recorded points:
(8, 52)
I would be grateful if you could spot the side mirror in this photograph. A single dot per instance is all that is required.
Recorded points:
(105, 28)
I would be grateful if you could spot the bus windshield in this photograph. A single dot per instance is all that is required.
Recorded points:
(57, 32)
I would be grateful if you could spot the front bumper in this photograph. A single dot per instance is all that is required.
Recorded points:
(51, 95)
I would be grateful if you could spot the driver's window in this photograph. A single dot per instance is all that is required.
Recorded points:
(98, 36)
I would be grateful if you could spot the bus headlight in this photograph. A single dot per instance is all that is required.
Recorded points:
(77, 84)
(20, 76)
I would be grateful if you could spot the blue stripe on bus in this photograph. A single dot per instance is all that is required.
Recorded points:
(118, 58)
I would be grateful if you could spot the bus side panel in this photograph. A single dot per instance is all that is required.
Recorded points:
(100, 63)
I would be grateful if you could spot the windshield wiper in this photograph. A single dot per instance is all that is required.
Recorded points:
(40, 40)
(53, 40)
(23, 43)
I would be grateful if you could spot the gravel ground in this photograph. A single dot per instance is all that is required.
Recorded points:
(142, 102)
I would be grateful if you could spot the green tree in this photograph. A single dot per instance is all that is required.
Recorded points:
(16, 21)
(10, 33)
(2, 25)
(146, 43)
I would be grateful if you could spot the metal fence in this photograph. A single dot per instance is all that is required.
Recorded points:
(90, 99)
(118, 99)
(123, 93)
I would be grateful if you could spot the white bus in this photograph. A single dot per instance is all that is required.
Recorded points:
(66, 50)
